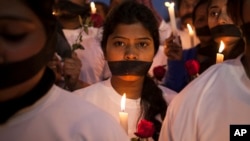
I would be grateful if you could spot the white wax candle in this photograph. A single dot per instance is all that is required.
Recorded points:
(124, 120)
(123, 116)
(191, 33)
(93, 8)
(219, 56)
(171, 12)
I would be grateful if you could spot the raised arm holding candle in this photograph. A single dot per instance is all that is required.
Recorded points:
(219, 56)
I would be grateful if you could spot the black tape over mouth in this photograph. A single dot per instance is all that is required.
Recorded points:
(138, 68)
(203, 31)
(226, 30)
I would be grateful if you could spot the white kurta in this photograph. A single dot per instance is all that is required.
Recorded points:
(207, 107)
(103, 95)
(94, 66)
(61, 116)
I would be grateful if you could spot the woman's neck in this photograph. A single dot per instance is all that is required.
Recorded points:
(131, 88)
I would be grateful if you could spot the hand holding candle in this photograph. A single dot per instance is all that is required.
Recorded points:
(219, 56)
(123, 115)
(191, 33)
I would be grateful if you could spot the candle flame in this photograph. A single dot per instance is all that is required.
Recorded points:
(123, 102)
(190, 29)
(168, 4)
(93, 8)
(222, 46)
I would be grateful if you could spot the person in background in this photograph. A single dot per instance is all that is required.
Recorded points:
(86, 65)
(223, 29)
(176, 77)
(183, 17)
(221, 92)
(102, 9)
(129, 55)
(32, 107)
(205, 52)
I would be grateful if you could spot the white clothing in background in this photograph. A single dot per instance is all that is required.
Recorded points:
(205, 109)
(94, 66)
(164, 31)
(103, 95)
(61, 116)
(160, 59)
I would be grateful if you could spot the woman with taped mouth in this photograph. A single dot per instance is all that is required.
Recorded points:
(130, 41)
(223, 29)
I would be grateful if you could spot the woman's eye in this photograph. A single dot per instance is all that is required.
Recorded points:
(142, 45)
(213, 13)
(13, 37)
(119, 44)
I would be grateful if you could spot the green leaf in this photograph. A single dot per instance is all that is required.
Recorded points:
(77, 46)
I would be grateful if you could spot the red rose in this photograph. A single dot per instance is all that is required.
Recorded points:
(97, 20)
(145, 129)
(192, 67)
(159, 72)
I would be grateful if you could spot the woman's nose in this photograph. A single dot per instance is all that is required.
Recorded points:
(223, 19)
(131, 53)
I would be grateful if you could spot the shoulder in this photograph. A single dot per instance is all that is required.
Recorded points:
(93, 88)
(84, 117)
(202, 87)
(167, 93)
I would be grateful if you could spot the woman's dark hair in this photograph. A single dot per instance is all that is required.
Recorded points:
(69, 10)
(43, 9)
(130, 12)
(234, 10)
(201, 2)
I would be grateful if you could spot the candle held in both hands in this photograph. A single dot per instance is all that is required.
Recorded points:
(219, 55)
(123, 116)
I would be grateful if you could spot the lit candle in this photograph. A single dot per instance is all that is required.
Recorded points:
(171, 12)
(93, 8)
(219, 56)
(123, 115)
(191, 33)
